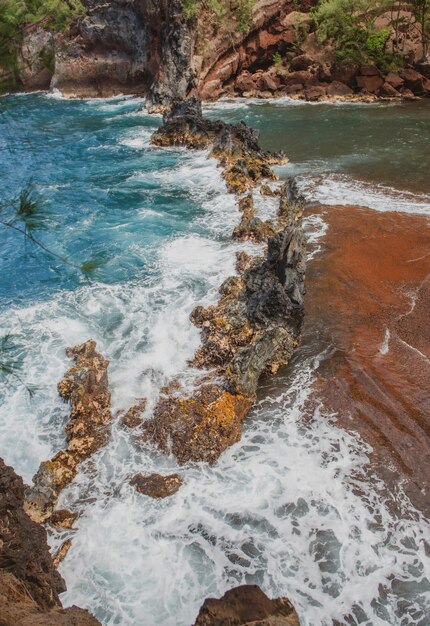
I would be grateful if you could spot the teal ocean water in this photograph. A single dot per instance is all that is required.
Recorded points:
(283, 508)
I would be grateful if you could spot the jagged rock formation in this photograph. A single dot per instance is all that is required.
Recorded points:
(256, 324)
(247, 605)
(156, 485)
(29, 582)
(85, 386)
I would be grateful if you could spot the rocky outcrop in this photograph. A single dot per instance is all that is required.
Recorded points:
(29, 582)
(235, 147)
(85, 386)
(256, 324)
(156, 485)
(247, 605)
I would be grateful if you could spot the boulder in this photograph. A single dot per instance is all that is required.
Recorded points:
(315, 93)
(388, 91)
(345, 74)
(267, 83)
(338, 89)
(247, 605)
(370, 84)
(369, 70)
(245, 83)
(415, 82)
(295, 78)
(156, 485)
(301, 63)
(394, 80)
(295, 89)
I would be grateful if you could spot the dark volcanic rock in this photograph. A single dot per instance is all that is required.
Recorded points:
(235, 146)
(247, 606)
(29, 582)
(156, 485)
(23, 546)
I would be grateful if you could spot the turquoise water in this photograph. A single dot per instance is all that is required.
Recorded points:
(282, 508)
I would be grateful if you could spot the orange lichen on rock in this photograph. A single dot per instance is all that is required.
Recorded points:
(85, 386)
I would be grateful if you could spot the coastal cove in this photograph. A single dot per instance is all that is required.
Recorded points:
(299, 505)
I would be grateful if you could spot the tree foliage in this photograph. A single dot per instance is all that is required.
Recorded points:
(18, 15)
(421, 10)
(352, 27)
(241, 10)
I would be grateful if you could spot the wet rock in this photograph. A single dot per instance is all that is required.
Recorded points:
(133, 418)
(198, 427)
(61, 553)
(247, 605)
(23, 544)
(156, 485)
(234, 146)
(85, 386)
(62, 518)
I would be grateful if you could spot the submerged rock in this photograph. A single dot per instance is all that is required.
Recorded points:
(247, 605)
(156, 485)
(29, 582)
(85, 386)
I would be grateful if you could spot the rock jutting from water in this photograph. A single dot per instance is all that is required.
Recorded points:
(247, 605)
(85, 386)
(255, 326)
(29, 582)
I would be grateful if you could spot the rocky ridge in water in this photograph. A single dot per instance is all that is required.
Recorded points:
(256, 324)
(85, 385)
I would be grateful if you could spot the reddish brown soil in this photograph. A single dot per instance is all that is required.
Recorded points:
(371, 270)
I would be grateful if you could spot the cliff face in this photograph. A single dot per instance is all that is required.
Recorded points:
(151, 48)
(127, 46)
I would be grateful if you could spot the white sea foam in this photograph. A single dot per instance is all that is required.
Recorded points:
(290, 507)
(342, 189)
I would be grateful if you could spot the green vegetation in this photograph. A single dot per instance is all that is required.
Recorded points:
(351, 25)
(421, 10)
(241, 10)
(277, 59)
(16, 16)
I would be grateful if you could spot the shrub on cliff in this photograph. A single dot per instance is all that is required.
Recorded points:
(16, 16)
(351, 26)
(239, 10)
